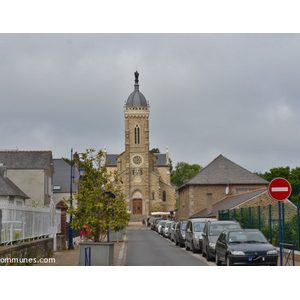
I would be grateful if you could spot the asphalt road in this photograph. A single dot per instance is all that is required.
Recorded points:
(147, 248)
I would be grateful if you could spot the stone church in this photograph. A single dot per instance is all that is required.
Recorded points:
(146, 176)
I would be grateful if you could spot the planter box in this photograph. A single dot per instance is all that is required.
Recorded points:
(102, 254)
(116, 236)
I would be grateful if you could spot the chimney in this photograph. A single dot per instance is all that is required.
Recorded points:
(76, 161)
(104, 157)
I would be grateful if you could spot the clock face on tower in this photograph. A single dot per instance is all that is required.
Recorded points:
(137, 160)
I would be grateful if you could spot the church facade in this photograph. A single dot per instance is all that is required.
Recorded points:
(146, 175)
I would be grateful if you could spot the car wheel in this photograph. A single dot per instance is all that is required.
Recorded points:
(228, 263)
(193, 248)
(208, 257)
(218, 262)
(203, 252)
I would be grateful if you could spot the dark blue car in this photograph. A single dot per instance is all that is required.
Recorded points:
(245, 247)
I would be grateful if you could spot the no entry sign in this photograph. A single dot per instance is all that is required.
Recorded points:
(279, 189)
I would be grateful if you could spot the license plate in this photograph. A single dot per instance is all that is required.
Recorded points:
(255, 258)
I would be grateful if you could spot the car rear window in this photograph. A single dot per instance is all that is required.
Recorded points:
(216, 229)
(247, 236)
(198, 227)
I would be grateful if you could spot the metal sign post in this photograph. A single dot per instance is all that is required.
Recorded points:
(279, 189)
(280, 234)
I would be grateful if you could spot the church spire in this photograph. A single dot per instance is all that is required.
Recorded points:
(136, 98)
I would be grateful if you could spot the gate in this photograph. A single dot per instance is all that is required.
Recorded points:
(24, 223)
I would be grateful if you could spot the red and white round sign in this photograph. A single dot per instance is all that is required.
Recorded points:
(279, 189)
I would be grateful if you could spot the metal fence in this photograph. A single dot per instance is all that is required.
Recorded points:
(266, 219)
(24, 223)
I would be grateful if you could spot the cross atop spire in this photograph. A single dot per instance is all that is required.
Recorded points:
(136, 75)
(136, 82)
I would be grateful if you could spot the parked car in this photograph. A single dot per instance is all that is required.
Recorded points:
(179, 236)
(162, 231)
(157, 224)
(167, 229)
(193, 235)
(245, 247)
(160, 226)
(154, 222)
(173, 228)
(211, 233)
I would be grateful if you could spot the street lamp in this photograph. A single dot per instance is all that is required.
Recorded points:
(71, 246)
(81, 171)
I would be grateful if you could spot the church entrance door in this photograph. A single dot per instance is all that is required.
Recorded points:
(137, 205)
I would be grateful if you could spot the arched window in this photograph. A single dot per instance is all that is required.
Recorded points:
(136, 135)
(164, 196)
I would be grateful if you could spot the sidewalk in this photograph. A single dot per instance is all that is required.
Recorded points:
(70, 257)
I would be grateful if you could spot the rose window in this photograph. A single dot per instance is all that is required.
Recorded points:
(137, 160)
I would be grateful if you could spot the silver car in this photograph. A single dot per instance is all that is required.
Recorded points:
(166, 231)
(172, 229)
(193, 235)
(159, 226)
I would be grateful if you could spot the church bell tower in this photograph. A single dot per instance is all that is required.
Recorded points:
(136, 112)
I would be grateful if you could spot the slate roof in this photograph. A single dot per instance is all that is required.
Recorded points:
(112, 158)
(26, 159)
(62, 176)
(136, 98)
(230, 202)
(161, 159)
(8, 188)
(223, 171)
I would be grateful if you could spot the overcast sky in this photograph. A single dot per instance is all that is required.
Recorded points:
(232, 94)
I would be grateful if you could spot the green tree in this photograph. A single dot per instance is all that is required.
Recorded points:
(283, 172)
(67, 160)
(156, 206)
(295, 183)
(100, 201)
(154, 150)
(291, 175)
(183, 172)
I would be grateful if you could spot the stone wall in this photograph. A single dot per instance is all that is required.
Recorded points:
(37, 249)
(61, 238)
(193, 198)
(264, 200)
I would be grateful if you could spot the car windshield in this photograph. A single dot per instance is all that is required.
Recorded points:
(246, 237)
(183, 226)
(198, 227)
(216, 229)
